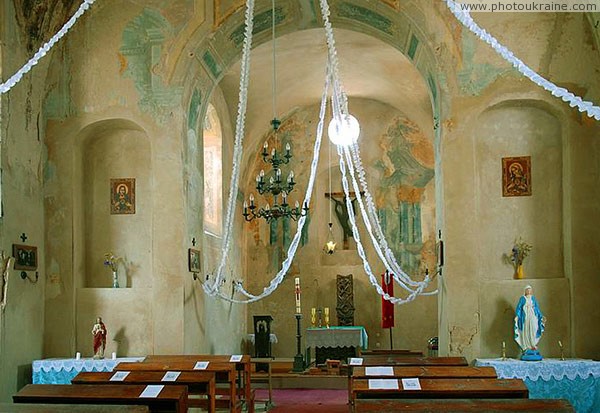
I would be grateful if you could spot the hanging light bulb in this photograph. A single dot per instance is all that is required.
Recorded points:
(344, 131)
(329, 247)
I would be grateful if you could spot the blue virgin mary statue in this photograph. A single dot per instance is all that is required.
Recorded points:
(529, 325)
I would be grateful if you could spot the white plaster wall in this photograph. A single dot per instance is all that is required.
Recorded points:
(119, 153)
(508, 130)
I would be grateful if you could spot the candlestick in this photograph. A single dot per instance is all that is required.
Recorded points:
(313, 317)
(562, 354)
(326, 317)
(297, 291)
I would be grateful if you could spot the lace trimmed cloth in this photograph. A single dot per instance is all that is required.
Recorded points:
(338, 336)
(62, 371)
(546, 369)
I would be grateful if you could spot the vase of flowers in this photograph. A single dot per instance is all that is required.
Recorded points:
(517, 255)
(112, 261)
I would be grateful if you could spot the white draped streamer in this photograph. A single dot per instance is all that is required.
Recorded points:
(465, 18)
(45, 48)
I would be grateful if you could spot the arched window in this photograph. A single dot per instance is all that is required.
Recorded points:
(213, 175)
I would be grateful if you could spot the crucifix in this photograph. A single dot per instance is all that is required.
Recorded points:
(341, 212)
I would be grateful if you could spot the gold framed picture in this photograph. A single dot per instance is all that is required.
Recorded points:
(516, 176)
(193, 260)
(122, 196)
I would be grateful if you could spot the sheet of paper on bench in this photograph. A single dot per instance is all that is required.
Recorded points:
(201, 365)
(171, 376)
(236, 358)
(119, 376)
(356, 361)
(152, 390)
(383, 384)
(411, 384)
(379, 371)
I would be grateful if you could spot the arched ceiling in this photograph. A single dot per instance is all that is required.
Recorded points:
(369, 68)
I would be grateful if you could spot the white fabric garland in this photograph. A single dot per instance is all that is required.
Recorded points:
(465, 18)
(45, 48)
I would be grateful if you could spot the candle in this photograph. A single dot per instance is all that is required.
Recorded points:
(297, 291)
(114, 355)
(77, 356)
(559, 343)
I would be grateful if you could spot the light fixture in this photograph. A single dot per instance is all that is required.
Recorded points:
(329, 247)
(343, 131)
(273, 183)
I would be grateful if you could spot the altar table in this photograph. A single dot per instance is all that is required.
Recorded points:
(61, 371)
(575, 380)
(340, 341)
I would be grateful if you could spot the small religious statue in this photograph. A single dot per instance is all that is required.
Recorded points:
(529, 325)
(99, 333)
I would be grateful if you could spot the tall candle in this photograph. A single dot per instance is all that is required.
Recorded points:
(297, 290)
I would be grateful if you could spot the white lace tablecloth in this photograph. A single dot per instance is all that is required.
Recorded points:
(576, 380)
(546, 369)
(61, 371)
(337, 337)
(272, 338)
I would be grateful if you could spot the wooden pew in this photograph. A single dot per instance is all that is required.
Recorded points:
(376, 352)
(244, 366)
(463, 405)
(431, 372)
(224, 372)
(65, 408)
(446, 389)
(171, 398)
(399, 360)
(198, 382)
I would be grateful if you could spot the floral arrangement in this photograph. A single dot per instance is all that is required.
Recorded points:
(519, 252)
(112, 261)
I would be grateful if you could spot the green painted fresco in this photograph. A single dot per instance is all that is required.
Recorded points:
(402, 230)
(475, 77)
(366, 16)
(212, 64)
(407, 170)
(142, 42)
(262, 21)
(412, 48)
(194, 110)
(58, 103)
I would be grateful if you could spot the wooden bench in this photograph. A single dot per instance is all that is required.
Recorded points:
(379, 352)
(224, 373)
(463, 405)
(400, 360)
(198, 382)
(63, 408)
(244, 366)
(446, 389)
(171, 398)
(430, 372)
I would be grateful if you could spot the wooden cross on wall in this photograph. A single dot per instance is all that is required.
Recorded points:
(341, 212)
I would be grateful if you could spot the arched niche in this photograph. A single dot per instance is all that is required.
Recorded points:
(115, 149)
(512, 129)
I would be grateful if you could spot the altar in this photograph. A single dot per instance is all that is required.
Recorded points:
(336, 342)
(61, 371)
(575, 380)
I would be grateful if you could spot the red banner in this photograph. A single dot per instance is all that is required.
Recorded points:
(387, 308)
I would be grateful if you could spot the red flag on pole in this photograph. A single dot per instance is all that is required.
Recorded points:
(387, 308)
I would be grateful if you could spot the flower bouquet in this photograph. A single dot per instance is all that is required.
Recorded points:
(517, 255)
(112, 261)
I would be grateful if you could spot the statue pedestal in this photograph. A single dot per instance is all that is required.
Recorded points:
(531, 355)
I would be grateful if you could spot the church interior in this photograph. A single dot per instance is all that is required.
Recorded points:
(118, 149)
